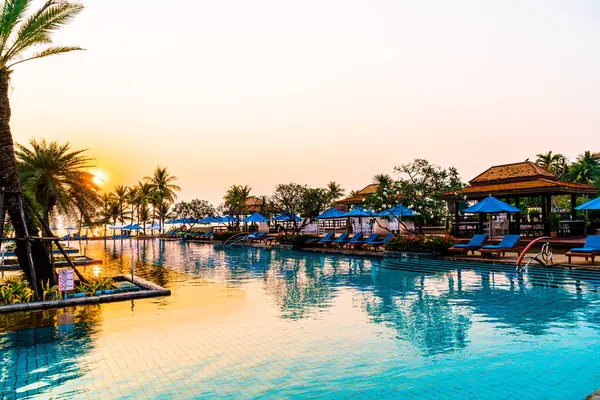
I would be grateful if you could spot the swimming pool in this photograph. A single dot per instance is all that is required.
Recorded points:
(254, 323)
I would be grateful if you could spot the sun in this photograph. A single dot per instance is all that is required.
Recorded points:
(100, 177)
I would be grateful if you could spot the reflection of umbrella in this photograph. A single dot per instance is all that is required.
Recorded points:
(491, 205)
(256, 217)
(590, 205)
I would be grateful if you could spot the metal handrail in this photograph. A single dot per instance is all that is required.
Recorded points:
(544, 257)
(232, 237)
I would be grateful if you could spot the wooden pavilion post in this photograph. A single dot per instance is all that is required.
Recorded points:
(573, 205)
(456, 216)
(518, 215)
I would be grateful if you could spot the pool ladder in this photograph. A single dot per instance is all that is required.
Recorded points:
(544, 257)
(238, 240)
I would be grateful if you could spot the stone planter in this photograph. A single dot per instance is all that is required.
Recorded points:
(411, 255)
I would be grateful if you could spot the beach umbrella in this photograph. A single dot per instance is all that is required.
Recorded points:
(590, 205)
(132, 227)
(333, 214)
(286, 218)
(397, 211)
(172, 221)
(256, 218)
(70, 228)
(227, 218)
(491, 205)
(358, 213)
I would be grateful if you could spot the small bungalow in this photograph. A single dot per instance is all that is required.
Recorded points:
(358, 198)
(512, 183)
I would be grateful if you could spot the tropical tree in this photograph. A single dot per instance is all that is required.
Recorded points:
(235, 201)
(109, 209)
(585, 169)
(121, 194)
(553, 162)
(163, 186)
(20, 39)
(295, 199)
(334, 192)
(55, 177)
(132, 200)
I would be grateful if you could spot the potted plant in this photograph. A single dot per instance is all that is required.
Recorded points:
(553, 221)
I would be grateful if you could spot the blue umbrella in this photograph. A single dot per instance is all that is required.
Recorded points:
(491, 205)
(173, 221)
(132, 227)
(286, 218)
(590, 205)
(358, 212)
(207, 220)
(332, 213)
(256, 217)
(227, 218)
(397, 211)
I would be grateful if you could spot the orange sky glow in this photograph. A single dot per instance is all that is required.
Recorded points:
(270, 91)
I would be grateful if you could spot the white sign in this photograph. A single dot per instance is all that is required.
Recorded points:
(66, 279)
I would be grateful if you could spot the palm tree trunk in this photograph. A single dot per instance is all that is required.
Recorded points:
(9, 182)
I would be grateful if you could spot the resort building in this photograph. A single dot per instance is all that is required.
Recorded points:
(512, 183)
(358, 198)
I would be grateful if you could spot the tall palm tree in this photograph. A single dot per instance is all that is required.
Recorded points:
(132, 199)
(54, 176)
(553, 162)
(21, 37)
(334, 192)
(585, 169)
(107, 212)
(163, 185)
(144, 199)
(121, 193)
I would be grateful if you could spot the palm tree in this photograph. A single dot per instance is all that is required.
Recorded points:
(585, 169)
(334, 192)
(163, 186)
(132, 199)
(55, 177)
(553, 162)
(144, 198)
(107, 212)
(20, 36)
(121, 193)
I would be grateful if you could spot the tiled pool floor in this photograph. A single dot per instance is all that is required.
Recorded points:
(254, 323)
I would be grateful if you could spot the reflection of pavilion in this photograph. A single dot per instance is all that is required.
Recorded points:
(512, 183)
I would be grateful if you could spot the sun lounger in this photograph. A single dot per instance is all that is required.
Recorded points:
(508, 243)
(326, 237)
(475, 243)
(360, 242)
(257, 237)
(327, 242)
(343, 241)
(376, 243)
(590, 249)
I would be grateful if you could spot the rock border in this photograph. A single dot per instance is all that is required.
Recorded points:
(149, 289)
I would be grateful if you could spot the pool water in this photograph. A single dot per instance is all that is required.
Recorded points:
(254, 323)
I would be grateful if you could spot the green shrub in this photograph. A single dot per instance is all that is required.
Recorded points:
(223, 236)
(95, 284)
(15, 290)
(421, 244)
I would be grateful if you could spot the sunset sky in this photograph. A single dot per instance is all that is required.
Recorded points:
(273, 91)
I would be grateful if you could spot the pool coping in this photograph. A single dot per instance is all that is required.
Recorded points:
(149, 290)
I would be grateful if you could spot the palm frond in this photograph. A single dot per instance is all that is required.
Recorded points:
(11, 15)
(51, 51)
(38, 27)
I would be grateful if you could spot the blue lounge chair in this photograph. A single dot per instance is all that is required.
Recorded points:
(341, 242)
(326, 237)
(508, 243)
(258, 236)
(590, 249)
(376, 243)
(327, 242)
(475, 243)
(68, 237)
(360, 242)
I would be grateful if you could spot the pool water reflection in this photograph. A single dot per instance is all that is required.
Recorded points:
(254, 323)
